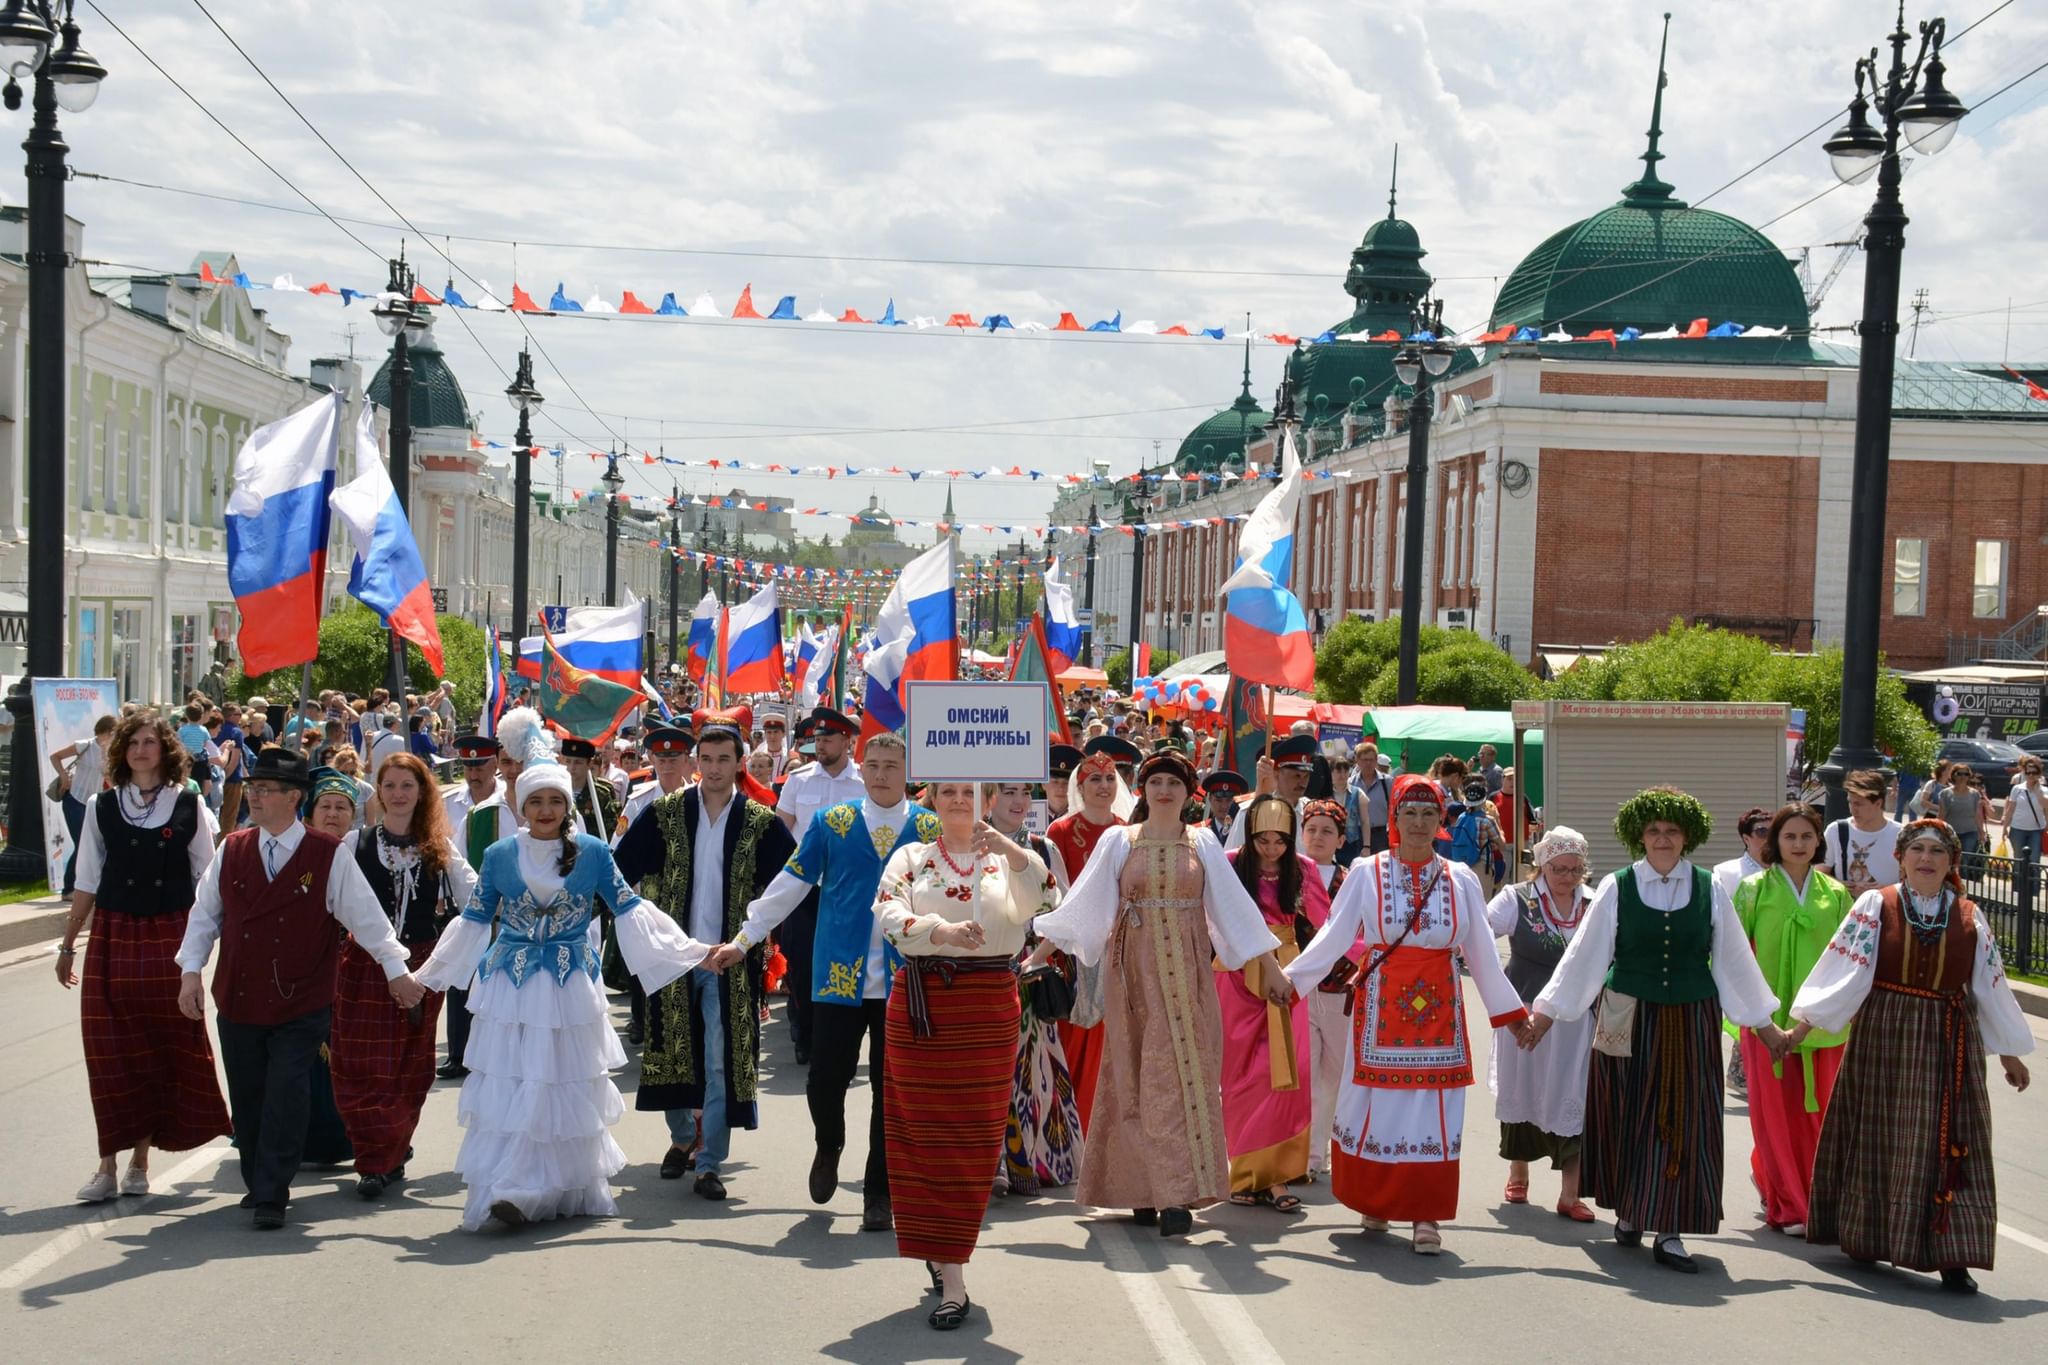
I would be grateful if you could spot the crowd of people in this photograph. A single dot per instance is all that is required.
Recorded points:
(1194, 986)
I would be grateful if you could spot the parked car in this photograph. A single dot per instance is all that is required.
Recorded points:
(1993, 760)
(2035, 744)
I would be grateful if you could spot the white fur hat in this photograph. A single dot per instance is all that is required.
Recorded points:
(524, 737)
(544, 775)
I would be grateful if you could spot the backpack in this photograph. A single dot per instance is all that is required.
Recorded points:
(1466, 838)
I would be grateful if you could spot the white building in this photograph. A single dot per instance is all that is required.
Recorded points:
(168, 379)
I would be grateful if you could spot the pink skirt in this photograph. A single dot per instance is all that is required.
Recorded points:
(1785, 1134)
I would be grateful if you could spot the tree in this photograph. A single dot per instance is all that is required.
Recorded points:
(1118, 666)
(1470, 672)
(1813, 683)
(354, 654)
(1356, 651)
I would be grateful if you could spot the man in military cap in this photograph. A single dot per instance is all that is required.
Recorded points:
(1286, 775)
(1065, 758)
(597, 801)
(1220, 791)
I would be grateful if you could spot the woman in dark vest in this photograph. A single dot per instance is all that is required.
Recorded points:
(1540, 1096)
(1903, 1172)
(144, 844)
(1663, 952)
(383, 1059)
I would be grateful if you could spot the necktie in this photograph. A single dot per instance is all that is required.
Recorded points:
(270, 858)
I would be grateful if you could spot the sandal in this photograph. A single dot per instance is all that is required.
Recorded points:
(949, 1314)
(1576, 1211)
(1428, 1240)
(1282, 1203)
(1517, 1192)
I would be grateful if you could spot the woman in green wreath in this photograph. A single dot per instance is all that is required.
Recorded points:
(1662, 951)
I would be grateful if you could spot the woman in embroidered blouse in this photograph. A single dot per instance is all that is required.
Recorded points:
(1789, 911)
(383, 1057)
(539, 1101)
(957, 909)
(1664, 944)
(1903, 1172)
(1155, 904)
(1540, 1096)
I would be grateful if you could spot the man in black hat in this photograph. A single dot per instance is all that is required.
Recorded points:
(1065, 758)
(478, 755)
(669, 747)
(1286, 774)
(597, 801)
(1121, 752)
(1220, 790)
(272, 899)
(831, 777)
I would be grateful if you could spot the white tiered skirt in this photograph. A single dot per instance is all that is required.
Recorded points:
(539, 1102)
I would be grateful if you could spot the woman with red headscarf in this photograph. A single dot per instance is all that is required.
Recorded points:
(1903, 1172)
(1401, 1113)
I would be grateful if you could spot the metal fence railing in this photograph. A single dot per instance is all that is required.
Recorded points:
(2011, 894)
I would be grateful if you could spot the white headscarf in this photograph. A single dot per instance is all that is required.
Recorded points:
(1121, 805)
(1562, 841)
(544, 775)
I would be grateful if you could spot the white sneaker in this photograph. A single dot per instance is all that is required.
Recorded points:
(1372, 1224)
(97, 1190)
(135, 1180)
(1794, 1229)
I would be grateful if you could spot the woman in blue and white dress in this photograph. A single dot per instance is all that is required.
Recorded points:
(539, 1102)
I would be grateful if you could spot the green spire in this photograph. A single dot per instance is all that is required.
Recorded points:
(1245, 402)
(1393, 182)
(1650, 188)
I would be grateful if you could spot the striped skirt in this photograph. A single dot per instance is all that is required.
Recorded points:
(149, 1068)
(1653, 1122)
(1879, 1168)
(945, 1099)
(383, 1063)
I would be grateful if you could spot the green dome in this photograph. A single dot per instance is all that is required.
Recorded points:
(436, 396)
(1651, 261)
(1221, 439)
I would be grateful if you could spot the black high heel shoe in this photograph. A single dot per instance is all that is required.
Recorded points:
(949, 1314)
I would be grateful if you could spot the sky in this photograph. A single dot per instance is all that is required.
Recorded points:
(1193, 161)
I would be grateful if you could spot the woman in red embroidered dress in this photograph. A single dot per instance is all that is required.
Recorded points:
(1401, 1114)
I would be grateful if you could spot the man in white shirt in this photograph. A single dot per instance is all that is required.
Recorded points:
(274, 988)
(1862, 851)
(775, 738)
(708, 849)
(831, 777)
(478, 755)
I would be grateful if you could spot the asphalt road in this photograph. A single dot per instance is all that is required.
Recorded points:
(768, 1276)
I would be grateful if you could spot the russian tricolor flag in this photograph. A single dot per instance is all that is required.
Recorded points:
(804, 649)
(917, 637)
(1062, 623)
(277, 519)
(388, 575)
(1265, 631)
(601, 640)
(703, 637)
(753, 647)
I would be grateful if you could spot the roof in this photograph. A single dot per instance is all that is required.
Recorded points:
(437, 399)
(1652, 260)
(1221, 439)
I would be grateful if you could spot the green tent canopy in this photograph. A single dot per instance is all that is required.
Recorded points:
(1415, 736)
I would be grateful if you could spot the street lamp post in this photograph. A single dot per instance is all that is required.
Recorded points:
(66, 78)
(404, 322)
(613, 482)
(1911, 101)
(703, 556)
(1422, 358)
(1088, 637)
(525, 400)
(675, 570)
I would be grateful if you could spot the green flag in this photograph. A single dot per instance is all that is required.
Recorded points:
(580, 703)
(1033, 665)
(1247, 737)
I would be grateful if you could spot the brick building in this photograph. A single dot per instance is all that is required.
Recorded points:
(1585, 492)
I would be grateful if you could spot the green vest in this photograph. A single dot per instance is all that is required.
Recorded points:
(1662, 956)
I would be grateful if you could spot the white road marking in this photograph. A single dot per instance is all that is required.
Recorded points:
(1148, 1301)
(2025, 1239)
(1243, 1341)
(72, 1238)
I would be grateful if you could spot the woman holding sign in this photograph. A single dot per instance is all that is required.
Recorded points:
(957, 909)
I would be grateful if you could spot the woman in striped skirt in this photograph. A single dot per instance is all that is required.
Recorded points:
(1662, 951)
(1903, 1172)
(957, 909)
(143, 846)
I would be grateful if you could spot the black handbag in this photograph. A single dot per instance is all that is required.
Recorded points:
(1050, 991)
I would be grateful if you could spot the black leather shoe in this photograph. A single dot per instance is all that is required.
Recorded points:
(824, 1176)
(1957, 1280)
(877, 1216)
(451, 1071)
(674, 1163)
(269, 1216)
(1677, 1260)
(1145, 1218)
(248, 1201)
(803, 1055)
(370, 1186)
(1176, 1222)
(709, 1186)
(1627, 1237)
(636, 1033)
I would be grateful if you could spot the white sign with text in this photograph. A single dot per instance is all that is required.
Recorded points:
(976, 731)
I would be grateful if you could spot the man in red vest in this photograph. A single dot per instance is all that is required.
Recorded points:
(278, 901)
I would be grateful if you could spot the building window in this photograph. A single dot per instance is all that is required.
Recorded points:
(1909, 577)
(1987, 583)
(125, 653)
(185, 648)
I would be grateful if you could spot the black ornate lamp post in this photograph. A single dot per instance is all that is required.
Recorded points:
(1421, 359)
(1088, 636)
(613, 482)
(675, 569)
(1910, 101)
(399, 318)
(704, 555)
(526, 401)
(68, 78)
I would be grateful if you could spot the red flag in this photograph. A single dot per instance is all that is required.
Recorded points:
(1696, 329)
(206, 275)
(1388, 335)
(1282, 338)
(2034, 391)
(1179, 329)
(1605, 334)
(745, 307)
(1504, 333)
(522, 302)
(960, 320)
(851, 316)
(631, 304)
(1068, 323)
(323, 288)
(420, 295)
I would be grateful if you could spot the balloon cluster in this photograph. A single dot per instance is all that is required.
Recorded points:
(1187, 694)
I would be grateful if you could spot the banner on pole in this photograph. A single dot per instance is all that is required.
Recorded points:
(65, 711)
(976, 731)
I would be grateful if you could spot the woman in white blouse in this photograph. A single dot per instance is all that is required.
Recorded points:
(1903, 1171)
(957, 909)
